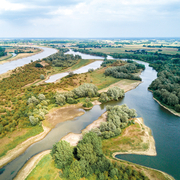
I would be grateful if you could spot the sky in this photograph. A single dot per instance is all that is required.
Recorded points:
(89, 18)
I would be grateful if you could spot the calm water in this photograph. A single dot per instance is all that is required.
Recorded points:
(20, 62)
(164, 125)
(83, 69)
(87, 56)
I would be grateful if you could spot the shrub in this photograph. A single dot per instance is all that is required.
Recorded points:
(42, 77)
(41, 97)
(33, 120)
(60, 99)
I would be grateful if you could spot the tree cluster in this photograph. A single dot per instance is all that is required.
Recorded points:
(125, 72)
(113, 93)
(87, 160)
(62, 60)
(86, 51)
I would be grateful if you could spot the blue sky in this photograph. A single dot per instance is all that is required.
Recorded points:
(90, 18)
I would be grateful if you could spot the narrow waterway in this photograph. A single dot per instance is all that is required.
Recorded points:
(20, 62)
(84, 69)
(165, 128)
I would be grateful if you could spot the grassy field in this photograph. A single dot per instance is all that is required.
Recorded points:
(130, 139)
(16, 137)
(109, 50)
(45, 170)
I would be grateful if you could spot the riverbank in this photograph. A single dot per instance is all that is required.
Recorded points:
(147, 138)
(170, 110)
(151, 173)
(54, 117)
(21, 55)
(20, 148)
(73, 139)
(125, 84)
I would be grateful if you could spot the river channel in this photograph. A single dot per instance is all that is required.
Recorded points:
(20, 62)
(164, 125)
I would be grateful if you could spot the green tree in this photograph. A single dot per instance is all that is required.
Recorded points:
(62, 153)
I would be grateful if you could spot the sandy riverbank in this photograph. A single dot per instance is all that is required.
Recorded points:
(30, 165)
(22, 55)
(146, 138)
(125, 84)
(54, 117)
(20, 148)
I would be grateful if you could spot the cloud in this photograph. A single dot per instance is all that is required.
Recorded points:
(90, 17)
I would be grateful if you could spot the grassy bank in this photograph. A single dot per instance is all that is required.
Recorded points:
(45, 169)
(13, 139)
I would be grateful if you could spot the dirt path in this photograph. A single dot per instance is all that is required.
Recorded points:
(20, 148)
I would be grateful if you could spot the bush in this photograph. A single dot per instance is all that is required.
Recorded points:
(42, 77)
(86, 90)
(33, 100)
(103, 98)
(33, 120)
(60, 99)
(41, 97)
(88, 104)
(72, 101)
(38, 65)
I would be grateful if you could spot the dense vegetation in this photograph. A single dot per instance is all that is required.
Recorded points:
(125, 72)
(166, 88)
(62, 60)
(117, 119)
(2, 52)
(113, 93)
(87, 160)
(86, 51)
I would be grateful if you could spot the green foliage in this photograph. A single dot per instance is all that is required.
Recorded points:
(86, 90)
(60, 99)
(34, 120)
(42, 77)
(38, 65)
(89, 161)
(125, 72)
(62, 153)
(117, 119)
(62, 60)
(113, 93)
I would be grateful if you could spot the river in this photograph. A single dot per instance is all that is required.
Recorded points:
(20, 62)
(164, 125)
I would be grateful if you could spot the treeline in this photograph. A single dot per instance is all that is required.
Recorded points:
(125, 72)
(86, 51)
(87, 160)
(2, 52)
(166, 88)
(62, 60)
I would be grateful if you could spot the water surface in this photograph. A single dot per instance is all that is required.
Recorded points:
(164, 125)
(84, 69)
(20, 62)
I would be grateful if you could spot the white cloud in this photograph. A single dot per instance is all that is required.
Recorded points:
(8, 6)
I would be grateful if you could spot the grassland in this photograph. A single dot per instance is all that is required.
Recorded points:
(109, 50)
(16, 137)
(45, 169)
